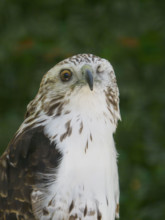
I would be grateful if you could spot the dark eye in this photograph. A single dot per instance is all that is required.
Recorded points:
(65, 75)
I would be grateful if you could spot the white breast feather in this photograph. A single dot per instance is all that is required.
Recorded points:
(86, 181)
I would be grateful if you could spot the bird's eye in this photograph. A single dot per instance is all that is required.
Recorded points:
(65, 75)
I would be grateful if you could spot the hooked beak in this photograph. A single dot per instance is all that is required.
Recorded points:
(88, 75)
(89, 78)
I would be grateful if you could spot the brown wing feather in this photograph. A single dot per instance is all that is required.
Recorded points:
(29, 153)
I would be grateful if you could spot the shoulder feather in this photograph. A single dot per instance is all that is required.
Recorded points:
(28, 154)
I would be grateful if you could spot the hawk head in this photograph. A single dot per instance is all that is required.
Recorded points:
(81, 81)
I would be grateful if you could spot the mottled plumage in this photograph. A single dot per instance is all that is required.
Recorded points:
(61, 163)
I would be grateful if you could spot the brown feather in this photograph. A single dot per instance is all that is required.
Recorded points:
(28, 153)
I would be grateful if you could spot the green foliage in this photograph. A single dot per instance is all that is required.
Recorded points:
(35, 35)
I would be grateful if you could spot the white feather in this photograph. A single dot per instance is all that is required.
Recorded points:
(86, 177)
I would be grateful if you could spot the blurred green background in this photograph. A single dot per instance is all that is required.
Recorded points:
(35, 35)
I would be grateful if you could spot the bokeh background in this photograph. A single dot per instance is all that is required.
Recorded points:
(35, 35)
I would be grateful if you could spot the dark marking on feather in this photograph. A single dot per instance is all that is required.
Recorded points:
(30, 119)
(57, 99)
(107, 201)
(91, 137)
(71, 206)
(59, 110)
(73, 217)
(111, 120)
(45, 211)
(91, 213)
(98, 70)
(111, 113)
(68, 131)
(81, 127)
(42, 121)
(86, 147)
(51, 202)
(80, 58)
(117, 209)
(112, 102)
(52, 108)
(99, 216)
(30, 110)
(67, 112)
(63, 136)
(85, 211)
(54, 136)
(68, 128)
(49, 81)
(111, 98)
(27, 114)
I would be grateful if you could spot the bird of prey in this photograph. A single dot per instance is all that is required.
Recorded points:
(62, 162)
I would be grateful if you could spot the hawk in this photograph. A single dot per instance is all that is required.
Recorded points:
(62, 162)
